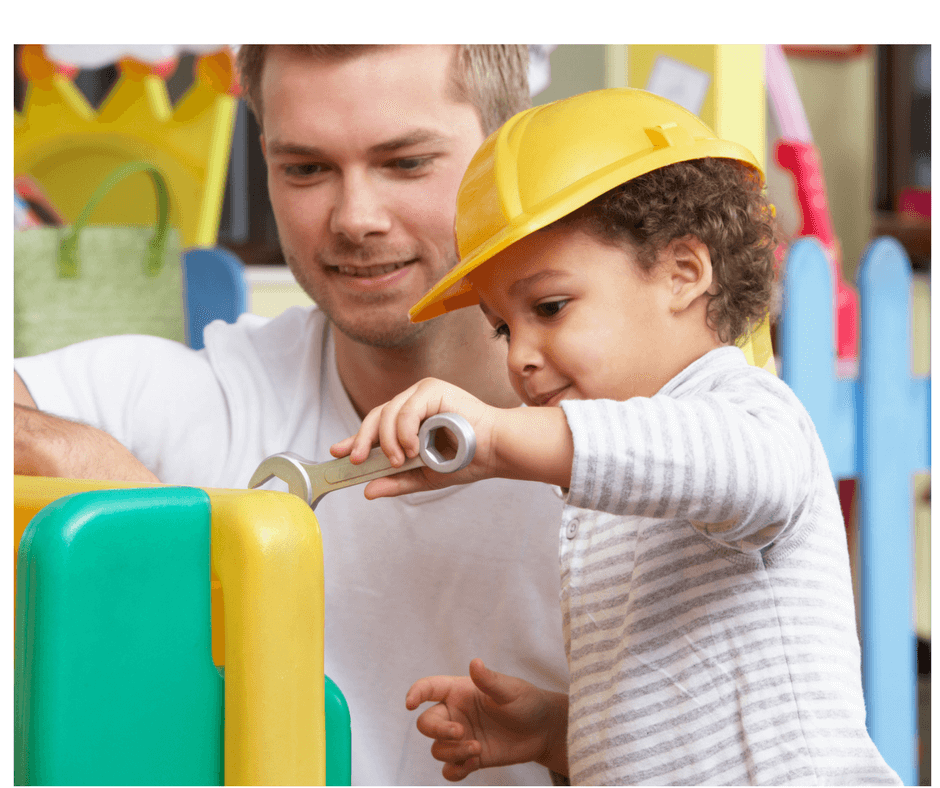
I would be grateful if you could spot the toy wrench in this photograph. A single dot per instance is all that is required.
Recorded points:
(311, 481)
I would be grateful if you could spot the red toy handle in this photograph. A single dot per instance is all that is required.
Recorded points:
(802, 159)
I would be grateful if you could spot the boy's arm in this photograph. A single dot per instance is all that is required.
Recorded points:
(735, 466)
(532, 444)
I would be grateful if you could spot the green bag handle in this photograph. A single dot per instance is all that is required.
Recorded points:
(68, 247)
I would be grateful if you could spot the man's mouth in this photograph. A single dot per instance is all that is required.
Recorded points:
(371, 271)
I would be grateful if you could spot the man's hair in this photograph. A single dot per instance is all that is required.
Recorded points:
(493, 78)
(719, 201)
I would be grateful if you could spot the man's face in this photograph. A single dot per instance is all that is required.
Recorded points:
(364, 160)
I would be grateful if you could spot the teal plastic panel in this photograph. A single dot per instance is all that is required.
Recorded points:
(338, 735)
(114, 680)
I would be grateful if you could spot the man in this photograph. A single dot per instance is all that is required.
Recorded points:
(365, 148)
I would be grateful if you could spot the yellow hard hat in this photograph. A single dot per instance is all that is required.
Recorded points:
(548, 161)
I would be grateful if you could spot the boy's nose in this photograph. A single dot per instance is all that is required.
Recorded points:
(359, 210)
(524, 357)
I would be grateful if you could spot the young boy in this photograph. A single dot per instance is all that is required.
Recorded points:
(620, 248)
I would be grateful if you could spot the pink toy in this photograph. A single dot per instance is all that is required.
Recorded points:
(796, 153)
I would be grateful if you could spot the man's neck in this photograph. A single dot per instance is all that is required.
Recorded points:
(458, 349)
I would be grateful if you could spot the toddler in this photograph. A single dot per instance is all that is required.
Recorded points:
(619, 249)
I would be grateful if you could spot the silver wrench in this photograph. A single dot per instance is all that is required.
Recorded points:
(312, 480)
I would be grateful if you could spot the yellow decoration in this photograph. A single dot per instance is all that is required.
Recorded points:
(68, 148)
(734, 107)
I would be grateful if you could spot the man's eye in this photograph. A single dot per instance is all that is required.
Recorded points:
(302, 170)
(501, 332)
(412, 165)
(550, 308)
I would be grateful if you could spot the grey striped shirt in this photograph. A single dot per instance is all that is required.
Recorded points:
(706, 593)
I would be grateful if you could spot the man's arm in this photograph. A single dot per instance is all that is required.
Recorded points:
(46, 445)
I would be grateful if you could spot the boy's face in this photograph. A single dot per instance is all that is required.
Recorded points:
(581, 320)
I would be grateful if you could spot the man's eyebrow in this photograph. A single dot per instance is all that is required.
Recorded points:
(278, 148)
(523, 284)
(416, 137)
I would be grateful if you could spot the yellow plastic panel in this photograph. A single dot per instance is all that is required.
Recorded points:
(734, 106)
(266, 551)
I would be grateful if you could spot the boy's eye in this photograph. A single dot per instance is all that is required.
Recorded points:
(550, 308)
(501, 332)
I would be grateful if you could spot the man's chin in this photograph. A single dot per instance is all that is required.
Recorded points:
(384, 336)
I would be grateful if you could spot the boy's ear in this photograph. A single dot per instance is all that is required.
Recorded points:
(690, 271)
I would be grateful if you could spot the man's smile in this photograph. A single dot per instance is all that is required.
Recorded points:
(371, 271)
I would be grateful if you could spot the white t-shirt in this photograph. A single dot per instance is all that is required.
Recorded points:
(415, 586)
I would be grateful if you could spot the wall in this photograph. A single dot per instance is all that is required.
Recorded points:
(575, 68)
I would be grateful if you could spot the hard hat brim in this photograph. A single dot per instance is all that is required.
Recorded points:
(548, 161)
(453, 292)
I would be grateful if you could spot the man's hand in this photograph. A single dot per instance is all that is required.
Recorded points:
(45, 445)
(490, 719)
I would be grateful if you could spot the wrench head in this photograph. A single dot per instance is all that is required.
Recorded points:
(460, 428)
(287, 467)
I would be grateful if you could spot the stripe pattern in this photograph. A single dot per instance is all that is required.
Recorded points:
(706, 593)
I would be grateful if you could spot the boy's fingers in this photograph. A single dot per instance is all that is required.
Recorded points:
(430, 688)
(500, 688)
(456, 751)
(388, 435)
(454, 772)
(435, 723)
(408, 426)
(410, 417)
(397, 484)
(366, 437)
(342, 448)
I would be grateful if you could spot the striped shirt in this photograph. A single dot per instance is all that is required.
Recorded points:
(706, 593)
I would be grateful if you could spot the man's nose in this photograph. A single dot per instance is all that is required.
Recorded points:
(360, 209)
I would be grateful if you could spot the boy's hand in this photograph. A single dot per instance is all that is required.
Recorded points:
(515, 443)
(490, 719)
(395, 426)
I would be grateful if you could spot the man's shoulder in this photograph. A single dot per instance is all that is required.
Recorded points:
(290, 321)
(287, 334)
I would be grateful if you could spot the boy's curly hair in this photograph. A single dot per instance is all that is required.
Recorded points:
(720, 202)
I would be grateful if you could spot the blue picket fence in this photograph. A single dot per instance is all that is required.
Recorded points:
(875, 428)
